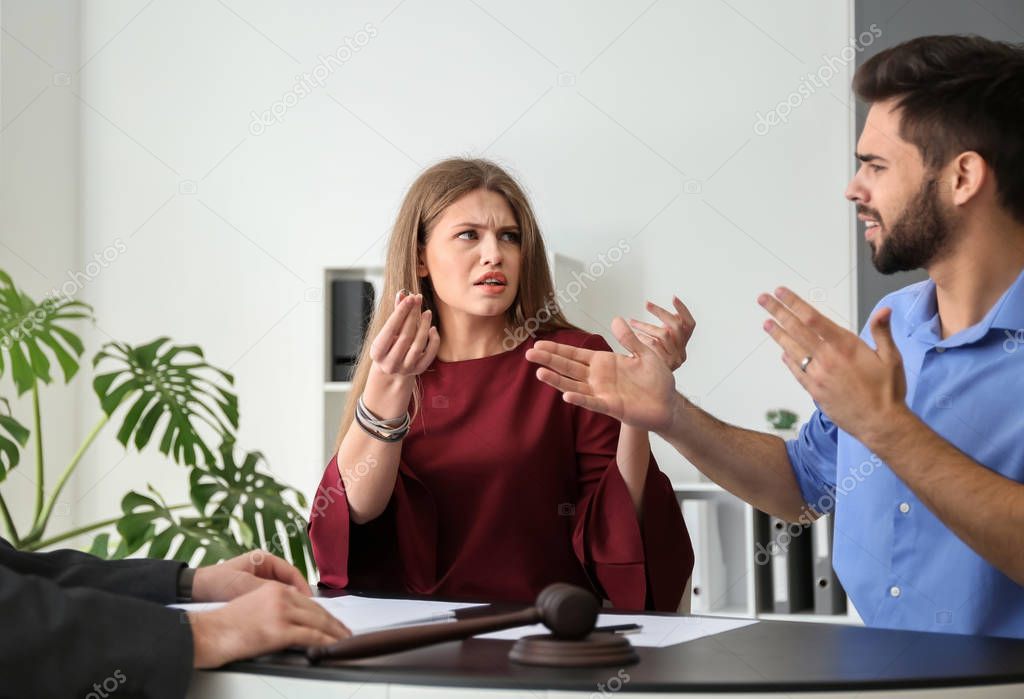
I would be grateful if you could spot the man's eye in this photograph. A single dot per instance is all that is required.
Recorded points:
(876, 168)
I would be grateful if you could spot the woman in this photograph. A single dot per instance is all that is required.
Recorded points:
(458, 474)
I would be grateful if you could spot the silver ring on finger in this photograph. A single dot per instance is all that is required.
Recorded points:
(805, 362)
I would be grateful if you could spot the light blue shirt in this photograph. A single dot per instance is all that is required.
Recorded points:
(902, 568)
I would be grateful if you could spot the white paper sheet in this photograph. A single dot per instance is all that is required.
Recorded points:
(364, 614)
(655, 632)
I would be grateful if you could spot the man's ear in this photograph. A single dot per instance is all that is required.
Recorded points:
(969, 173)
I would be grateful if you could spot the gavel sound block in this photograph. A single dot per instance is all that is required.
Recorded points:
(569, 612)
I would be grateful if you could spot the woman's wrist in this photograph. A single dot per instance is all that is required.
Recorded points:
(634, 454)
(634, 458)
(386, 430)
(384, 390)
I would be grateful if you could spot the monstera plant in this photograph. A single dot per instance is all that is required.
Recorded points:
(160, 393)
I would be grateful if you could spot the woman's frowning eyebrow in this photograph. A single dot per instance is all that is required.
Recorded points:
(470, 224)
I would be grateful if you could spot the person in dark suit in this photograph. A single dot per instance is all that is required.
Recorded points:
(77, 625)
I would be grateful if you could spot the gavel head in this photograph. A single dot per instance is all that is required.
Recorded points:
(569, 611)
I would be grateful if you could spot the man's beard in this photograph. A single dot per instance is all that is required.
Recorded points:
(919, 237)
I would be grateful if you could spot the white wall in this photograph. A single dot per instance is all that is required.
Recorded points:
(623, 120)
(39, 211)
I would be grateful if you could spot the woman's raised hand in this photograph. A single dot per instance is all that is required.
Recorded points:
(669, 340)
(407, 343)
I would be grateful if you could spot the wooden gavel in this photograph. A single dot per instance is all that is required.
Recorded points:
(570, 613)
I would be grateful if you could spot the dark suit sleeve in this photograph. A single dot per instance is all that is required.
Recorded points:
(156, 581)
(67, 641)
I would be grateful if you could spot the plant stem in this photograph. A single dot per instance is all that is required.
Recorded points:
(35, 546)
(40, 526)
(11, 530)
(40, 473)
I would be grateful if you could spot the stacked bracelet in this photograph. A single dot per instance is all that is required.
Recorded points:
(393, 430)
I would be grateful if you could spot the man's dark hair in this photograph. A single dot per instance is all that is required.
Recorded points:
(956, 94)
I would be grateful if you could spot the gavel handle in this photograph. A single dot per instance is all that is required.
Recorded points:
(395, 640)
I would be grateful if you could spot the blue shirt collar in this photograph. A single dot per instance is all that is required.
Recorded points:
(1006, 314)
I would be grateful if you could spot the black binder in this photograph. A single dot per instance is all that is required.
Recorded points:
(829, 597)
(791, 567)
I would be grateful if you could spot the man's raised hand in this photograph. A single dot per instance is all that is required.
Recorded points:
(638, 390)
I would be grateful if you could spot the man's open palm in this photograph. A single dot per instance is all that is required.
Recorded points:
(638, 391)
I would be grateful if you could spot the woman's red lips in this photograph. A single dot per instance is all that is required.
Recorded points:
(493, 278)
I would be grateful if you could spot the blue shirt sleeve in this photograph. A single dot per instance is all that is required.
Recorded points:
(813, 456)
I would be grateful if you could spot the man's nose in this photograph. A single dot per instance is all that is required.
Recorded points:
(856, 192)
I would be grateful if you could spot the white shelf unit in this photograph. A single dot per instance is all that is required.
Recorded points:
(734, 593)
(336, 393)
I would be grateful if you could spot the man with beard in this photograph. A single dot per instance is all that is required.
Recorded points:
(916, 444)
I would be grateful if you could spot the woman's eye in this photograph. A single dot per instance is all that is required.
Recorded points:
(511, 236)
(463, 234)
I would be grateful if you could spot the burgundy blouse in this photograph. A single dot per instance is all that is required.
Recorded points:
(502, 489)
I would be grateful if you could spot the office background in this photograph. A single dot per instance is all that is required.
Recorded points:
(175, 134)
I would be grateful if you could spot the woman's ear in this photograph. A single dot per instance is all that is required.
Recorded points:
(421, 266)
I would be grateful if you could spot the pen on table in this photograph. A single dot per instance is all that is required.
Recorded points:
(619, 628)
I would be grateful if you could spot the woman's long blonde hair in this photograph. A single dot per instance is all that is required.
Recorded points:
(433, 192)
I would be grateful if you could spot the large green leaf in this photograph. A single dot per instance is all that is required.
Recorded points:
(150, 527)
(252, 497)
(10, 443)
(238, 507)
(172, 383)
(27, 328)
(101, 546)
